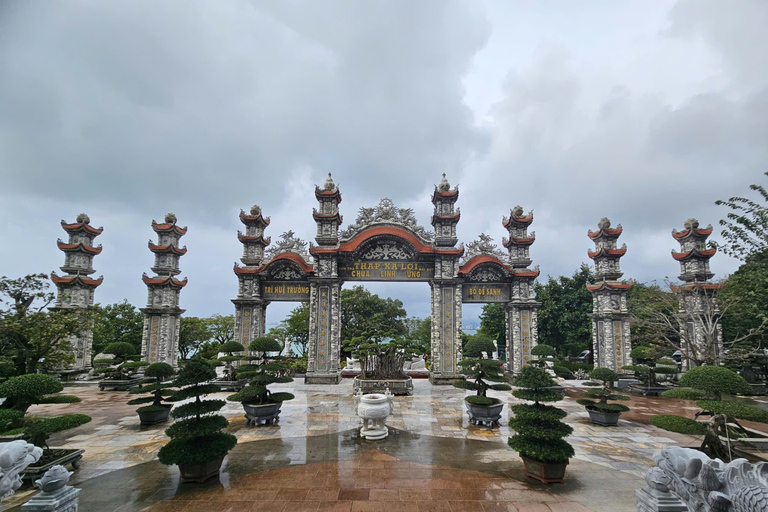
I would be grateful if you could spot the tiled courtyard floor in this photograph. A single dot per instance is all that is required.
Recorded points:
(314, 452)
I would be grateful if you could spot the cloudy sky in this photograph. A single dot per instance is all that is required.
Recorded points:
(645, 112)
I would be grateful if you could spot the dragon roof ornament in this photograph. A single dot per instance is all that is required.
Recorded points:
(288, 243)
(482, 246)
(386, 213)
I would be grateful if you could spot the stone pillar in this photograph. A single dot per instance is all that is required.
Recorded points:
(75, 290)
(446, 331)
(162, 316)
(611, 343)
(522, 333)
(701, 334)
(324, 332)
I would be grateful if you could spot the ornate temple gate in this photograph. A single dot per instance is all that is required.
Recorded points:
(386, 243)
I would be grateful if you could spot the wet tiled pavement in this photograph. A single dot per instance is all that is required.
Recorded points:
(314, 448)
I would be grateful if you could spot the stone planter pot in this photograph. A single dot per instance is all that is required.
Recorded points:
(545, 472)
(63, 456)
(155, 417)
(396, 386)
(231, 385)
(120, 385)
(266, 414)
(201, 472)
(373, 409)
(486, 415)
(606, 419)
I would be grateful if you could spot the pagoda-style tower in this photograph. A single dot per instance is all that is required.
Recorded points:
(162, 316)
(521, 311)
(250, 309)
(446, 287)
(699, 315)
(75, 290)
(611, 344)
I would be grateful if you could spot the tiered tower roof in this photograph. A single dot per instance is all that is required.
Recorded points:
(607, 256)
(519, 241)
(253, 240)
(327, 216)
(79, 252)
(694, 253)
(445, 215)
(167, 253)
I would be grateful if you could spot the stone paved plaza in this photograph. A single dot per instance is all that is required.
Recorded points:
(314, 460)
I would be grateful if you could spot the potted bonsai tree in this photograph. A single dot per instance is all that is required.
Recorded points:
(20, 394)
(539, 433)
(649, 363)
(481, 373)
(707, 385)
(382, 357)
(260, 404)
(198, 445)
(230, 381)
(157, 411)
(596, 400)
(120, 371)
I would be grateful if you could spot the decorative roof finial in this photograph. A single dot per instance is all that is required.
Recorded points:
(83, 218)
(329, 184)
(691, 224)
(170, 218)
(604, 223)
(444, 186)
(255, 210)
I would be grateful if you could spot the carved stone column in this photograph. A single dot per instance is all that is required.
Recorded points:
(522, 333)
(446, 331)
(324, 332)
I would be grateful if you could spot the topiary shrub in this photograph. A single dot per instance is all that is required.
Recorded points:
(597, 399)
(647, 359)
(678, 424)
(230, 347)
(539, 433)
(477, 345)
(544, 353)
(480, 374)
(684, 393)
(26, 390)
(715, 380)
(124, 365)
(155, 375)
(563, 372)
(196, 436)
(262, 372)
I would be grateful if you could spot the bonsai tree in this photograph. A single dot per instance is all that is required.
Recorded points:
(544, 354)
(597, 399)
(479, 344)
(153, 384)
(23, 392)
(196, 436)
(262, 372)
(382, 355)
(481, 374)
(230, 372)
(124, 364)
(647, 358)
(707, 386)
(539, 433)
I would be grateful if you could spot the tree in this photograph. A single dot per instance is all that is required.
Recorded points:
(221, 328)
(645, 303)
(193, 332)
(747, 288)
(31, 337)
(493, 323)
(294, 329)
(420, 331)
(563, 317)
(365, 312)
(118, 322)
(745, 226)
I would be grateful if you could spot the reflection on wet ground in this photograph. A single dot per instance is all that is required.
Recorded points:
(317, 432)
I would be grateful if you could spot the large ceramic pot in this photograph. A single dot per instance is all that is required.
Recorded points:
(266, 414)
(374, 409)
(201, 472)
(487, 415)
(155, 416)
(545, 472)
(606, 419)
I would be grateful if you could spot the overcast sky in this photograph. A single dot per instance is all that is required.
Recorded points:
(642, 111)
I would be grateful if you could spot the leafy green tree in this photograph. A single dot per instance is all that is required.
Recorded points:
(420, 331)
(746, 225)
(478, 344)
(221, 328)
(193, 332)
(493, 323)
(563, 317)
(32, 338)
(646, 302)
(382, 355)
(365, 312)
(294, 329)
(747, 289)
(118, 322)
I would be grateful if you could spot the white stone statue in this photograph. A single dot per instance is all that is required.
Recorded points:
(353, 364)
(15, 456)
(55, 495)
(374, 408)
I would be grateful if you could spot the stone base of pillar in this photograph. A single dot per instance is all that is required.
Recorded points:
(653, 500)
(63, 500)
(322, 378)
(443, 379)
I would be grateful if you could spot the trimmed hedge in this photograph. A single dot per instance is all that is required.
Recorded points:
(683, 393)
(678, 424)
(735, 410)
(715, 380)
(25, 390)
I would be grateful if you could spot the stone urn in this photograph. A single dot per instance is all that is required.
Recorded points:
(374, 408)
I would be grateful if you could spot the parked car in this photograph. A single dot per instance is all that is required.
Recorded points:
(583, 357)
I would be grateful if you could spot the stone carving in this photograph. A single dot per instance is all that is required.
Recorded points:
(83, 218)
(483, 245)
(373, 409)
(444, 186)
(385, 251)
(15, 456)
(55, 495)
(517, 213)
(385, 213)
(53, 479)
(329, 185)
(170, 218)
(702, 484)
(485, 275)
(604, 223)
(286, 273)
(289, 243)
